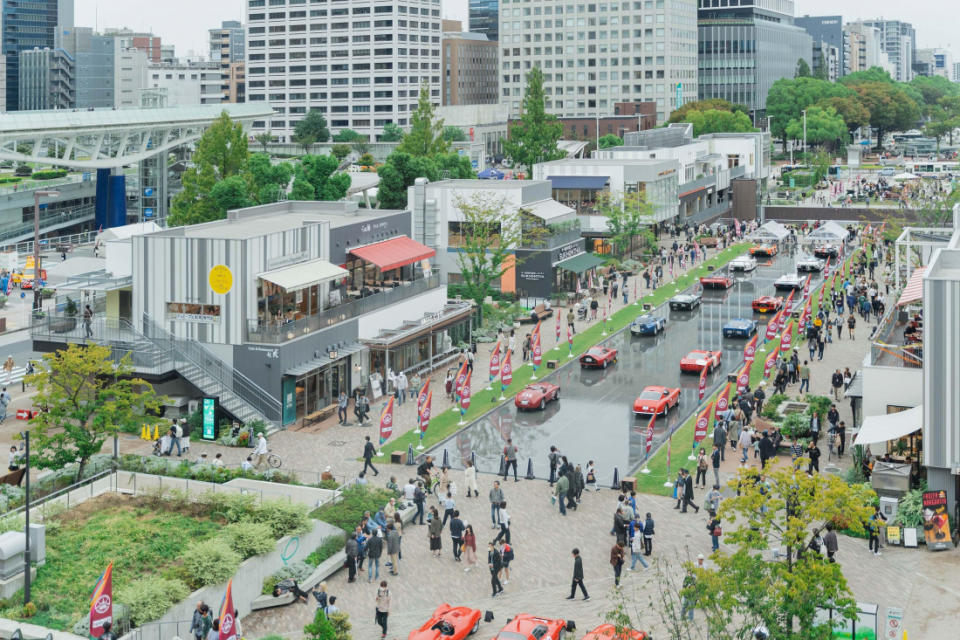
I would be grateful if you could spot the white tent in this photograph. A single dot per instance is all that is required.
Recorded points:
(890, 426)
(770, 231)
(827, 232)
(906, 176)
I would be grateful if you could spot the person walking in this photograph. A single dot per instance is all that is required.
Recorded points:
(851, 325)
(688, 493)
(836, 381)
(352, 549)
(804, 377)
(577, 576)
(196, 622)
(830, 542)
(419, 498)
(504, 519)
(715, 459)
(813, 453)
(449, 508)
(745, 442)
(383, 607)
(368, 452)
(261, 451)
(648, 525)
(393, 548)
(510, 457)
(713, 499)
(456, 535)
(592, 476)
(342, 403)
(495, 564)
(616, 561)
(874, 525)
(841, 437)
(88, 321)
(702, 465)
(713, 526)
(374, 551)
(636, 546)
(563, 486)
(434, 528)
(506, 557)
(570, 320)
(469, 547)
(554, 459)
(720, 437)
(470, 479)
(496, 497)
(402, 384)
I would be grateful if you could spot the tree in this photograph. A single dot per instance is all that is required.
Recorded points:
(340, 151)
(454, 134)
(891, 109)
(426, 136)
(366, 160)
(854, 114)
(360, 146)
(302, 189)
(680, 115)
(787, 510)
(803, 69)
(391, 133)
(821, 72)
(321, 173)
(610, 140)
(305, 142)
(718, 121)
(787, 98)
(266, 180)
(401, 169)
(348, 135)
(824, 126)
(220, 152)
(932, 90)
(490, 232)
(264, 139)
(939, 125)
(231, 194)
(627, 217)
(320, 628)
(312, 127)
(534, 137)
(873, 74)
(86, 398)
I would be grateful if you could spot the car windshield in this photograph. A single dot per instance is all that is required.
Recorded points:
(694, 355)
(650, 395)
(644, 319)
(511, 635)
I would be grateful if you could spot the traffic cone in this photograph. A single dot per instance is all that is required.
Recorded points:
(503, 466)
(156, 432)
(144, 433)
(410, 456)
(530, 475)
(446, 459)
(616, 479)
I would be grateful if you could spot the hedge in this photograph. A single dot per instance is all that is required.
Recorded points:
(49, 174)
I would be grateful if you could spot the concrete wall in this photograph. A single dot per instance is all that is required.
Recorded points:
(791, 214)
(897, 386)
(413, 309)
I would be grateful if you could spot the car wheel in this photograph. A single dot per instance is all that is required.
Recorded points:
(556, 396)
(476, 626)
(605, 364)
(542, 403)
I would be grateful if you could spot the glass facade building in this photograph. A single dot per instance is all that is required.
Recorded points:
(484, 18)
(29, 25)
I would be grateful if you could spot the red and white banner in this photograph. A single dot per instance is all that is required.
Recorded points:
(773, 326)
(569, 337)
(228, 624)
(506, 371)
(743, 379)
(703, 421)
(422, 396)
(465, 392)
(495, 362)
(786, 339)
(736, 226)
(557, 313)
(787, 309)
(806, 287)
(537, 350)
(653, 419)
(458, 381)
(703, 382)
(723, 400)
(101, 603)
(770, 361)
(386, 421)
(750, 351)
(425, 411)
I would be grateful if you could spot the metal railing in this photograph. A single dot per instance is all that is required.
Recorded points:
(550, 240)
(41, 494)
(887, 348)
(27, 185)
(79, 213)
(48, 244)
(276, 334)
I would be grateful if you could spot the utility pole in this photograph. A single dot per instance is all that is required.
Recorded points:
(805, 134)
(37, 298)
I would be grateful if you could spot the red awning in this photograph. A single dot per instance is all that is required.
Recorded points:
(914, 289)
(393, 253)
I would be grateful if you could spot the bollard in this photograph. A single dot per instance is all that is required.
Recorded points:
(410, 456)
(473, 458)
(530, 475)
(446, 460)
(503, 466)
(616, 479)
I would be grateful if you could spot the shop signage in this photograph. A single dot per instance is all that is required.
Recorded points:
(373, 226)
(220, 279)
(269, 351)
(190, 312)
(530, 276)
(285, 260)
(568, 251)
(893, 535)
(936, 525)
(209, 419)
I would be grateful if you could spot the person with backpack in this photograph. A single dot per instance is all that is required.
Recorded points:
(176, 432)
(506, 557)
(419, 499)
(494, 563)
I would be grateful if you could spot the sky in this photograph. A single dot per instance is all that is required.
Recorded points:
(185, 22)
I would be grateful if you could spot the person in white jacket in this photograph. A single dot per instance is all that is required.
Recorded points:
(470, 479)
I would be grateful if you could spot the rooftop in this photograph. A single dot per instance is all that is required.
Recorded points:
(487, 185)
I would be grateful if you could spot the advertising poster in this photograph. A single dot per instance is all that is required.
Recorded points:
(209, 419)
(936, 524)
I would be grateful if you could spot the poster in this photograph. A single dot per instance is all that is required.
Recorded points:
(893, 628)
(936, 524)
(893, 536)
(209, 419)
(910, 537)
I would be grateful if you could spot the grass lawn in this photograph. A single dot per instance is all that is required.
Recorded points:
(682, 439)
(84, 540)
(445, 424)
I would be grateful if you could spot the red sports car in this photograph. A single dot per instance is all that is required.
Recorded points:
(448, 623)
(716, 281)
(609, 632)
(598, 357)
(527, 627)
(537, 395)
(695, 361)
(767, 304)
(656, 400)
(769, 250)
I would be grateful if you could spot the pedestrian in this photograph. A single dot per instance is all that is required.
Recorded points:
(393, 547)
(820, 346)
(813, 453)
(456, 535)
(402, 385)
(352, 549)
(570, 320)
(449, 507)
(496, 497)
(176, 431)
(720, 438)
(510, 458)
(361, 544)
(470, 479)
(526, 347)
(636, 546)
(766, 448)
(434, 528)
(688, 493)
(702, 465)
(592, 476)
(368, 452)
(715, 458)
(804, 377)
(745, 442)
(383, 607)
(494, 563)
(713, 499)
(616, 561)
(830, 542)
(841, 437)
(469, 547)
(424, 470)
(374, 551)
(504, 521)
(196, 622)
(554, 459)
(648, 526)
(342, 402)
(261, 450)
(689, 602)
(713, 526)
(560, 493)
(577, 576)
(836, 381)
(87, 321)
(851, 325)
(506, 557)
(214, 632)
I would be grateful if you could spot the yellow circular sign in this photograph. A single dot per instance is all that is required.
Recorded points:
(221, 279)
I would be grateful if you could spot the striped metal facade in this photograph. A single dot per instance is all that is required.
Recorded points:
(941, 365)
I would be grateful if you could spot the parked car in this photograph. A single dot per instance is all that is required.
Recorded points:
(536, 395)
(717, 281)
(648, 325)
(527, 627)
(739, 328)
(688, 301)
(743, 263)
(809, 264)
(826, 251)
(695, 361)
(768, 250)
(789, 281)
(448, 623)
(598, 357)
(767, 304)
(656, 400)
(609, 632)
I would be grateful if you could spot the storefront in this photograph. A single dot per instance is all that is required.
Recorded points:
(296, 292)
(576, 273)
(579, 192)
(380, 266)
(317, 383)
(543, 273)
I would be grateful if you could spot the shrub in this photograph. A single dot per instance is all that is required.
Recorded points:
(249, 538)
(771, 405)
(910, 511)
(210, 562)
(341, 625)
(795, 425)
(23, 171)
(49, 174)
(348, 511)
(283, 518)
(320, 628)
(298, 571)
(327, 549)
(819, 405)
(150, 597)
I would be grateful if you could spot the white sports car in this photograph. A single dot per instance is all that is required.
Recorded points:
(743, 263)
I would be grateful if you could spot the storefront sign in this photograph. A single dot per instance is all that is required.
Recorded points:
(270, 352)
(209, 419)
(531, 276)
(197, 313)
(221, 279)
(286, 259)
(893, 535)
(936, 525)
(568, 251)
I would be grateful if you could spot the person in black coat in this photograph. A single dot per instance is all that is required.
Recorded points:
(688, 493)
(648, 535)
(813, 452)
(767, 450)
(577, 576)
(495, 564)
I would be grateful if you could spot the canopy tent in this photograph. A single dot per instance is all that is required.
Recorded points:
(770, 231)
(580, 263)
(303, 275)
(393, 253)
(889, 427)
(913, 292)
(906, 176)
(828, 232)
(550, 211)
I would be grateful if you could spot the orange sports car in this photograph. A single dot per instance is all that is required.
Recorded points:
(658, 400)
(695, 361)
(448, 623)
(768, 250)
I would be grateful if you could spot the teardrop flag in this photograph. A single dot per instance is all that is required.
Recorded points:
(228, 624)
(773, 326)
(425, 413)
(465, 393)
(495, 362)
(386, 421)
(743, 379)
(422, 396)
(749, 351)
(101, 603)
(703, 381)
(703, 420)
(786, 340)
(770, 361)
(723, 400)
(650, 432)
(537, 350)
(506, 370)
(558, 326)
(458, 381)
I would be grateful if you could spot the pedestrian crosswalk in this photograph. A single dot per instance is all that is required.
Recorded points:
(14, 377)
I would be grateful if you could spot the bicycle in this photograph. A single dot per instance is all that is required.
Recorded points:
(274, 461)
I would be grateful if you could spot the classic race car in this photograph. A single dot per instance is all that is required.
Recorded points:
(767, 304)
(598, 357)
(717, 281)
(826, 251)
(695, 361)
(768, 250)
(743, 263)
(527, 627)
(687, 301)
(647, 325)
(609, 632)
(789, 281)
(739, 328)
(448, 623)
(536, 395)
(658, 400)
(810, 264)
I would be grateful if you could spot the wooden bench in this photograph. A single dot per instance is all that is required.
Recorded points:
(541, 311)
(13, 477)
(318, 416)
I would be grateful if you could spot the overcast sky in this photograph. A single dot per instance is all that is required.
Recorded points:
(185, 22)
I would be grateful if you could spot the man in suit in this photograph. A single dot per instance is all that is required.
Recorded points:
(577, 576)
(688, 493)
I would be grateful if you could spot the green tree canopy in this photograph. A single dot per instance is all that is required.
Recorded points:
(854, 114)
(891, 108)
(391, 133)
(717, 121)
(454, 134)
(267, 180)
(789, 97)
(348, 135)
(803, 69)
(340, 151)
(312, 127)
(873, 74)
(932, 90)
(628, 216)
(230, 194)
(680, 115)
(489, 233)
(401, 169)
(610, 140)
(534, 137)
(824, 126)
(821, 73)
(426, 136)
(320, 172)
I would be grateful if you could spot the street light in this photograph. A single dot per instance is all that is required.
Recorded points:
(37, 298)
(804, 135)
(26, 525)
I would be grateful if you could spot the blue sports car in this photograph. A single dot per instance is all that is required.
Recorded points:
(647, 325)
(739, 328)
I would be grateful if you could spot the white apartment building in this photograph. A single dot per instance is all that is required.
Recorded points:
(899, 41)
(129, 75)
(598, 53)
(185, 84)
(359, 62)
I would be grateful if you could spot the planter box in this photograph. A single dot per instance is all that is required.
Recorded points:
(326, 569)
(63, 325)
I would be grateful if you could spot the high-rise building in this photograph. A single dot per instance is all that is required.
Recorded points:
(93, 56)
(899, 41)
(28, 25)
(955, 77)
(827, 56)
(934, 62)
(174, 85)
(45, 80)
(595, 55)
(227, 48)
(469, 67)
(747, 45)
(485, 18)
(865, 48)
(129, 75)
(828, 31)
(145, 41)
(360, 63)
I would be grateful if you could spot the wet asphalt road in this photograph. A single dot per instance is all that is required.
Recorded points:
(593, 420)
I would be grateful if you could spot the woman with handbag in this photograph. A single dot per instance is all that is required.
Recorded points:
(592, 476)
(469, 547)
(713, 526)
(702, 465)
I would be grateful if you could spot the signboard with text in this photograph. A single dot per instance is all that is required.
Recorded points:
(209, 413)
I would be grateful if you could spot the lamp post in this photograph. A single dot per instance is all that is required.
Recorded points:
(37, 298)
(26, 526)
(804, 135)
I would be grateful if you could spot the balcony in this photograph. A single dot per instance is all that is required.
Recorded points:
(550, 236)
(277, 334)
(891, 347)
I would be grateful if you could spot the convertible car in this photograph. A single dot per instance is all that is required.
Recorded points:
(647, 325)
(695, 361)
(609, 632)
(768, 250)
(826, 251)
(717, 281)
(686, 301)
(789, 281)
(527, 627)
(598, 357)
(658, 400)
(767, 304)
(743, 263)
(536, 395)
(739, 328)
(810, 264)
(448, 623)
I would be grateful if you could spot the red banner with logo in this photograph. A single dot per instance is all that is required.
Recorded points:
(806, 287)
(101, 603)
(723, 400)
(826, 266)
(495, 362)
(557, 313)
(750, 351)
(465, 392)
(537, 350)
(773, 326)
(422, 396)
(703, 381)
(228, 624)
(743, 379)
(703, 421)
(506, 370)
(787, 310)
(770, 361)
(386, 421)
(653, 419)
(425, 413)
(458, 381)
(786, 340)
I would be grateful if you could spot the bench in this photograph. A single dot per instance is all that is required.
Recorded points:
(318, 416)
(542, 313)
(13, 477)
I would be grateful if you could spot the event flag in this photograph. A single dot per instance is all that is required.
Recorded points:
(772, 326)
(228, 624)
(700, 430)
(537, 356)
(653, 419)
(101, 603)
(425, 414)
(750, 351)
(703, 382)
(770, 361)
(743, 379)
(495, 362)
(558, 325)
(787, 310)
(458, 381)
(422, 396)
(386, 421)
(570, 340)
(506, 371)
(723, 400)
(736, 225)
(465, 393)
(806, 287)
(786, 340)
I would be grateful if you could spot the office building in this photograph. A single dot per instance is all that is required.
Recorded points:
(146, 42)
(227, 48)
(595, 55)
(469, 67)
(360, 64)
(46, 80)
(934, 62)
(827, 56)
(827, 32)
(899, 41)
(179, 85)
(130, 76)
(865, 48)
(747, 45)
(93, 56)
(485, 18)
(27, 26)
